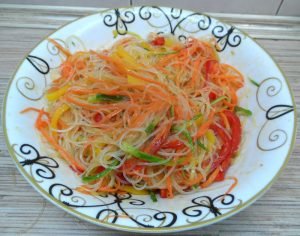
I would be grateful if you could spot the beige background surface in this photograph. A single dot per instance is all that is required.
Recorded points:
(266, 7)
(24, 212)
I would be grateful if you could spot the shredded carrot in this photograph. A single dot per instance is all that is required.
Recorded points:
(211, 178)
(224, 118)
(141, 114)
(61, 48)
(205, 126)
(30, 109)
(61, 151)
(169, 187)
(235, 182)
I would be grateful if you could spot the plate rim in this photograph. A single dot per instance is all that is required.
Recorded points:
(190, 226)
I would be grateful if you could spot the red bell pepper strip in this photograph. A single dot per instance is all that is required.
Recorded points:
(163, 193)
(174, 144)
(212, 96)
(131, 164)
(209, 68)
(225, 151)
(236, 134)
(158, 140)
(236, 130)
(158, 41)
(97, 117)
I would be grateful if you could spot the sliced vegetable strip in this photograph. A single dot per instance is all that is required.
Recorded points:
(165, 111)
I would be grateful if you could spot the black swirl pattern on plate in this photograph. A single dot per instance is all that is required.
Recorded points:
(175, 19)
(273, 139)
(119, 19)
(116, 202)
(204, 206)
(42, 166)
(39, 64)
(112, 207)
(27, 86)
(226, 37)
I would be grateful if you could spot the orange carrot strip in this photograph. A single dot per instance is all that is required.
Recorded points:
(62, 151)
(233, 185)
(224, 118)
(211, 178)
(117, 64)
(61, 48)
(196, 180)
(41, 126)
(30, 109)
(146, 79)
(205, 126)
(169, 187)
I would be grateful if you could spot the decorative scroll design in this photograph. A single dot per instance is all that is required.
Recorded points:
(226, 37)
(204, 206)
(119, 19)
(40, 167)
(271, 139)
(175, 20)
(117, 205)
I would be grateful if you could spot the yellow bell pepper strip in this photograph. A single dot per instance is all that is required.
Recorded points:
(56, 116)
(145, 46)
(132, 190)
(53, 96)
(211, 138)
(162, 53)
(127, 59)
(121, 52)
(115, 34)
(199, 121)
(169, 42)
(135, 81)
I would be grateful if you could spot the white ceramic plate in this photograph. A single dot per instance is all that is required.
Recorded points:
(268, 134)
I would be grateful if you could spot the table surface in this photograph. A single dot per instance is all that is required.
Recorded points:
(25, 212)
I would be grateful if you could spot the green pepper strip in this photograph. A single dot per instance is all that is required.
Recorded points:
(172, 111)
(141, 155)
(189, 138)
(201, 145)
(254, 82)
(196, 117)
(163, 53)
(151, 127)
(218, 100)
(242, 111)
(105, 98)
(153, 196)
(186, 134)
(101, 174)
